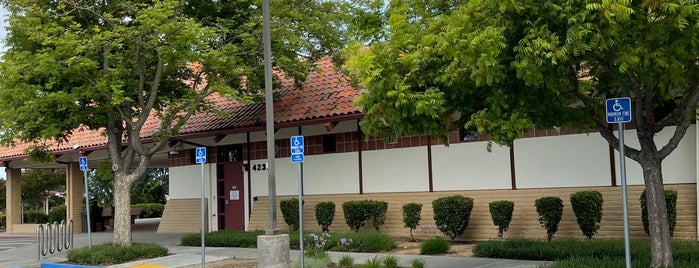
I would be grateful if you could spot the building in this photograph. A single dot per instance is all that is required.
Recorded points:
(342, 164)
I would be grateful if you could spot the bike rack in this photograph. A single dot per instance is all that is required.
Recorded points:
(55, 237)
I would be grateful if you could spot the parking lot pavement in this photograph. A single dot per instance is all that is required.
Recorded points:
(9, 241)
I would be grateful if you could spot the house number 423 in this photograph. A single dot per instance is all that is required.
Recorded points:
(259, 167)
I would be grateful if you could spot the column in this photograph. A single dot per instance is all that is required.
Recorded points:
(74, 195)
(13, 208)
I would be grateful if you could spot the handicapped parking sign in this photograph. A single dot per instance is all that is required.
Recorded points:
(200, 155)
(619, 110)
(83, 163)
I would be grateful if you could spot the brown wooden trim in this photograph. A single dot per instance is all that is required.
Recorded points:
(513, 174)
(429, 167)
(612, 161)
(359, 155)
(249, 170)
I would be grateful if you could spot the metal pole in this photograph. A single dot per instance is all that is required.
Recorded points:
(269, 109)
(203, 220)
(624, 201)
(87, 205)
(300, 216)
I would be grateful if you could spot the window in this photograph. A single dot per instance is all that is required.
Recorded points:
(329, 143)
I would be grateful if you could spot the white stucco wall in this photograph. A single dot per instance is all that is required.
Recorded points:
(678, 167)
(562, 161)
(286, 178)
(470, 166)
(395, 170)
(185, 182)
(331, 173)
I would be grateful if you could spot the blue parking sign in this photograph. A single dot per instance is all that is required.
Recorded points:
(200, 155)
(83, 163)
(619, 110)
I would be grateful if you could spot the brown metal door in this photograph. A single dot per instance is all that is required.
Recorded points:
(234, 191)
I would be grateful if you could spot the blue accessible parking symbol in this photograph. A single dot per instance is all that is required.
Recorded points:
(83, 163)
(619, 110)
(296, 144)
(200, 155)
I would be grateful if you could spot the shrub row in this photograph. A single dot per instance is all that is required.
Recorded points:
(3, 221)
(150, 210)
(35, 217)
(452, 213)
(110, 254)
(365, 241)
(57, 214)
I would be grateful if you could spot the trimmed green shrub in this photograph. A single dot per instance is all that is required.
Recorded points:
(411, 216)
(325, 214)
(35, 217)
(378, 213)
(107, 254)
(550, 210)
(150, 210)
(57, 214)
(3, 221)
(225, 238)
(587, 206)
(434, 246)
(452, 213)
(501, 212)
(670, 204)
(355, 214)
(290, 212)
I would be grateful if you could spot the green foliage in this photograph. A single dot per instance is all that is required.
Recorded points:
(501, 212)
(224, 238)
(369, 241)
(107, 254)
(151, 188)
(434, 246)
(503, 67)
(417, 263)
(374, 262)
(550, 210)
(346, 261)
(290, 212)
(587, 206)
(567, 251)
(314, 259)
(357, 213)
(37, 182)
(3, 195)
(57, 214)
(452, 214)
(390, 261)
(35, 217)
(411, 216)
(3, 221)
(113, 65)
(670, 204)
(325, 213)
(150, 210)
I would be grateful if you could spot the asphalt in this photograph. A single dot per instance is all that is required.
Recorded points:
(26, 256)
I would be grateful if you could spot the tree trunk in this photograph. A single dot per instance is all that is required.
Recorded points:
(122, 207)
(660, 240)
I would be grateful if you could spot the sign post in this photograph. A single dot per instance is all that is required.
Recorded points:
(201, 159)
(619, 111)
(297, 157)
(83, 166)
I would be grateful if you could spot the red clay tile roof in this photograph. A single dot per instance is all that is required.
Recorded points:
(326, 94)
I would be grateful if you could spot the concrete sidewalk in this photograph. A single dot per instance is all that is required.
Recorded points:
(27, 256)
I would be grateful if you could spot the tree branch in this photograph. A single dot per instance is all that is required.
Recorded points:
(688, 114)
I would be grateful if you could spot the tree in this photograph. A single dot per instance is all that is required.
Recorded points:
(502, 67)
(116, 66)
(36, 181)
